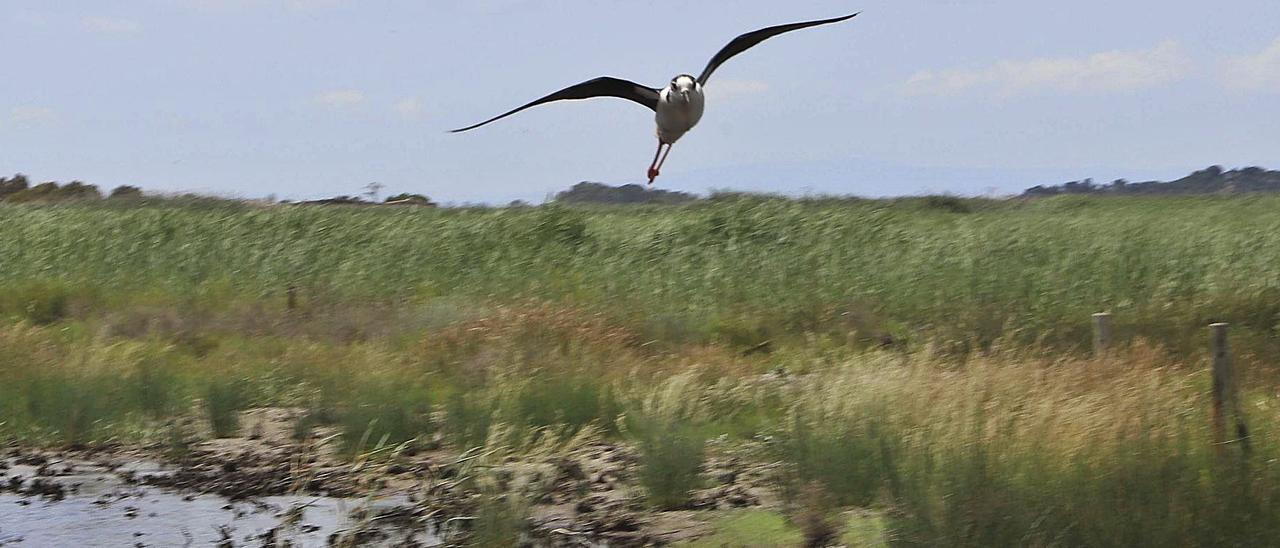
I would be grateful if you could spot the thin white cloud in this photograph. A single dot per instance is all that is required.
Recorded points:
(722, 90)
(1105, 72)
(32, 115)
(339, 98)
(295, 5)
(110, 25)
(409, 108)
(29, 18)
(212, 4)
(303, 5)
(496, 6)
(1258, 72)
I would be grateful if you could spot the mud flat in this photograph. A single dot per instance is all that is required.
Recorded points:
(156, 517)
(110, 497)
(267, 489)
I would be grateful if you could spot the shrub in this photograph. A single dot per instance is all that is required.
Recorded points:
(665, 426)
(39, 302)
(223, 401)
(850, 458)
(671, 457)
(574, 400)
(152, 387)
(73, 407)
(125, 192)
(390, 411)
(501, 521)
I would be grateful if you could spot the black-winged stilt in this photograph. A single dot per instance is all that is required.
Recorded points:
(678, 106)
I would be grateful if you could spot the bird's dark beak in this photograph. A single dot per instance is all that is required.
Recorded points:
(685, 94)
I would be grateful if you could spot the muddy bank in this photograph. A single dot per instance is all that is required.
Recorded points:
(114, 497)
(160, 518)
(268, 489)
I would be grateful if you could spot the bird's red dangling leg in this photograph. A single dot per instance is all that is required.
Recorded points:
(653, 172)
(653, 167)
(664, 156)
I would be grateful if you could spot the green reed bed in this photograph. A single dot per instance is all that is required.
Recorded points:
(741, 271)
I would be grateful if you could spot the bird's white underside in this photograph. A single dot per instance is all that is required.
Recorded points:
(676, 115)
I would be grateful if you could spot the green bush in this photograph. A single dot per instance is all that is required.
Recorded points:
(671, 458)
(501, 521)
(73, 408)
(574, 400)
(223, 401)
(153, 387)
(40, 302)
(851, 460)
(390, 411)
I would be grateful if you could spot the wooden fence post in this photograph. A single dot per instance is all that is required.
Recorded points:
(291, 297)
(1101, 334)
(1225, 398)
(1221, 376)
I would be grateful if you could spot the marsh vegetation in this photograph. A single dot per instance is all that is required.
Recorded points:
(909, 372)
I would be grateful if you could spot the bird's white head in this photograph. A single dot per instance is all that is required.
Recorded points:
(682, 87)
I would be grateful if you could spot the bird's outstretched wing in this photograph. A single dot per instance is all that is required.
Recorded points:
(746, 41)
(604, 86)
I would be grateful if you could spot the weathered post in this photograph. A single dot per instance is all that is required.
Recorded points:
(1221, 376)
(291, 297)
(1224, 392)
(1101, 334)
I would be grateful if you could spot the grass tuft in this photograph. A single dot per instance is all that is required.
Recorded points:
(41, 302)
(223, 401)
(389, 411)
(500, 521)
(672, 448)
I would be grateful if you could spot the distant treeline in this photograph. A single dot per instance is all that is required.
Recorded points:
(1211, 180)
(19, 189)
(598, 193)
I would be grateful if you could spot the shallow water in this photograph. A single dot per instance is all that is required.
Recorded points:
(161, 519)
(101, 510)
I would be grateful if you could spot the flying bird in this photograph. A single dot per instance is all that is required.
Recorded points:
(679, 105)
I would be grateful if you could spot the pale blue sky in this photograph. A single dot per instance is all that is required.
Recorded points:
(312, 98)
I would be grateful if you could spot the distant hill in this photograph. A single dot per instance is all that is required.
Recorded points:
(404, 199)
(1211, 180)
(598, 193)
